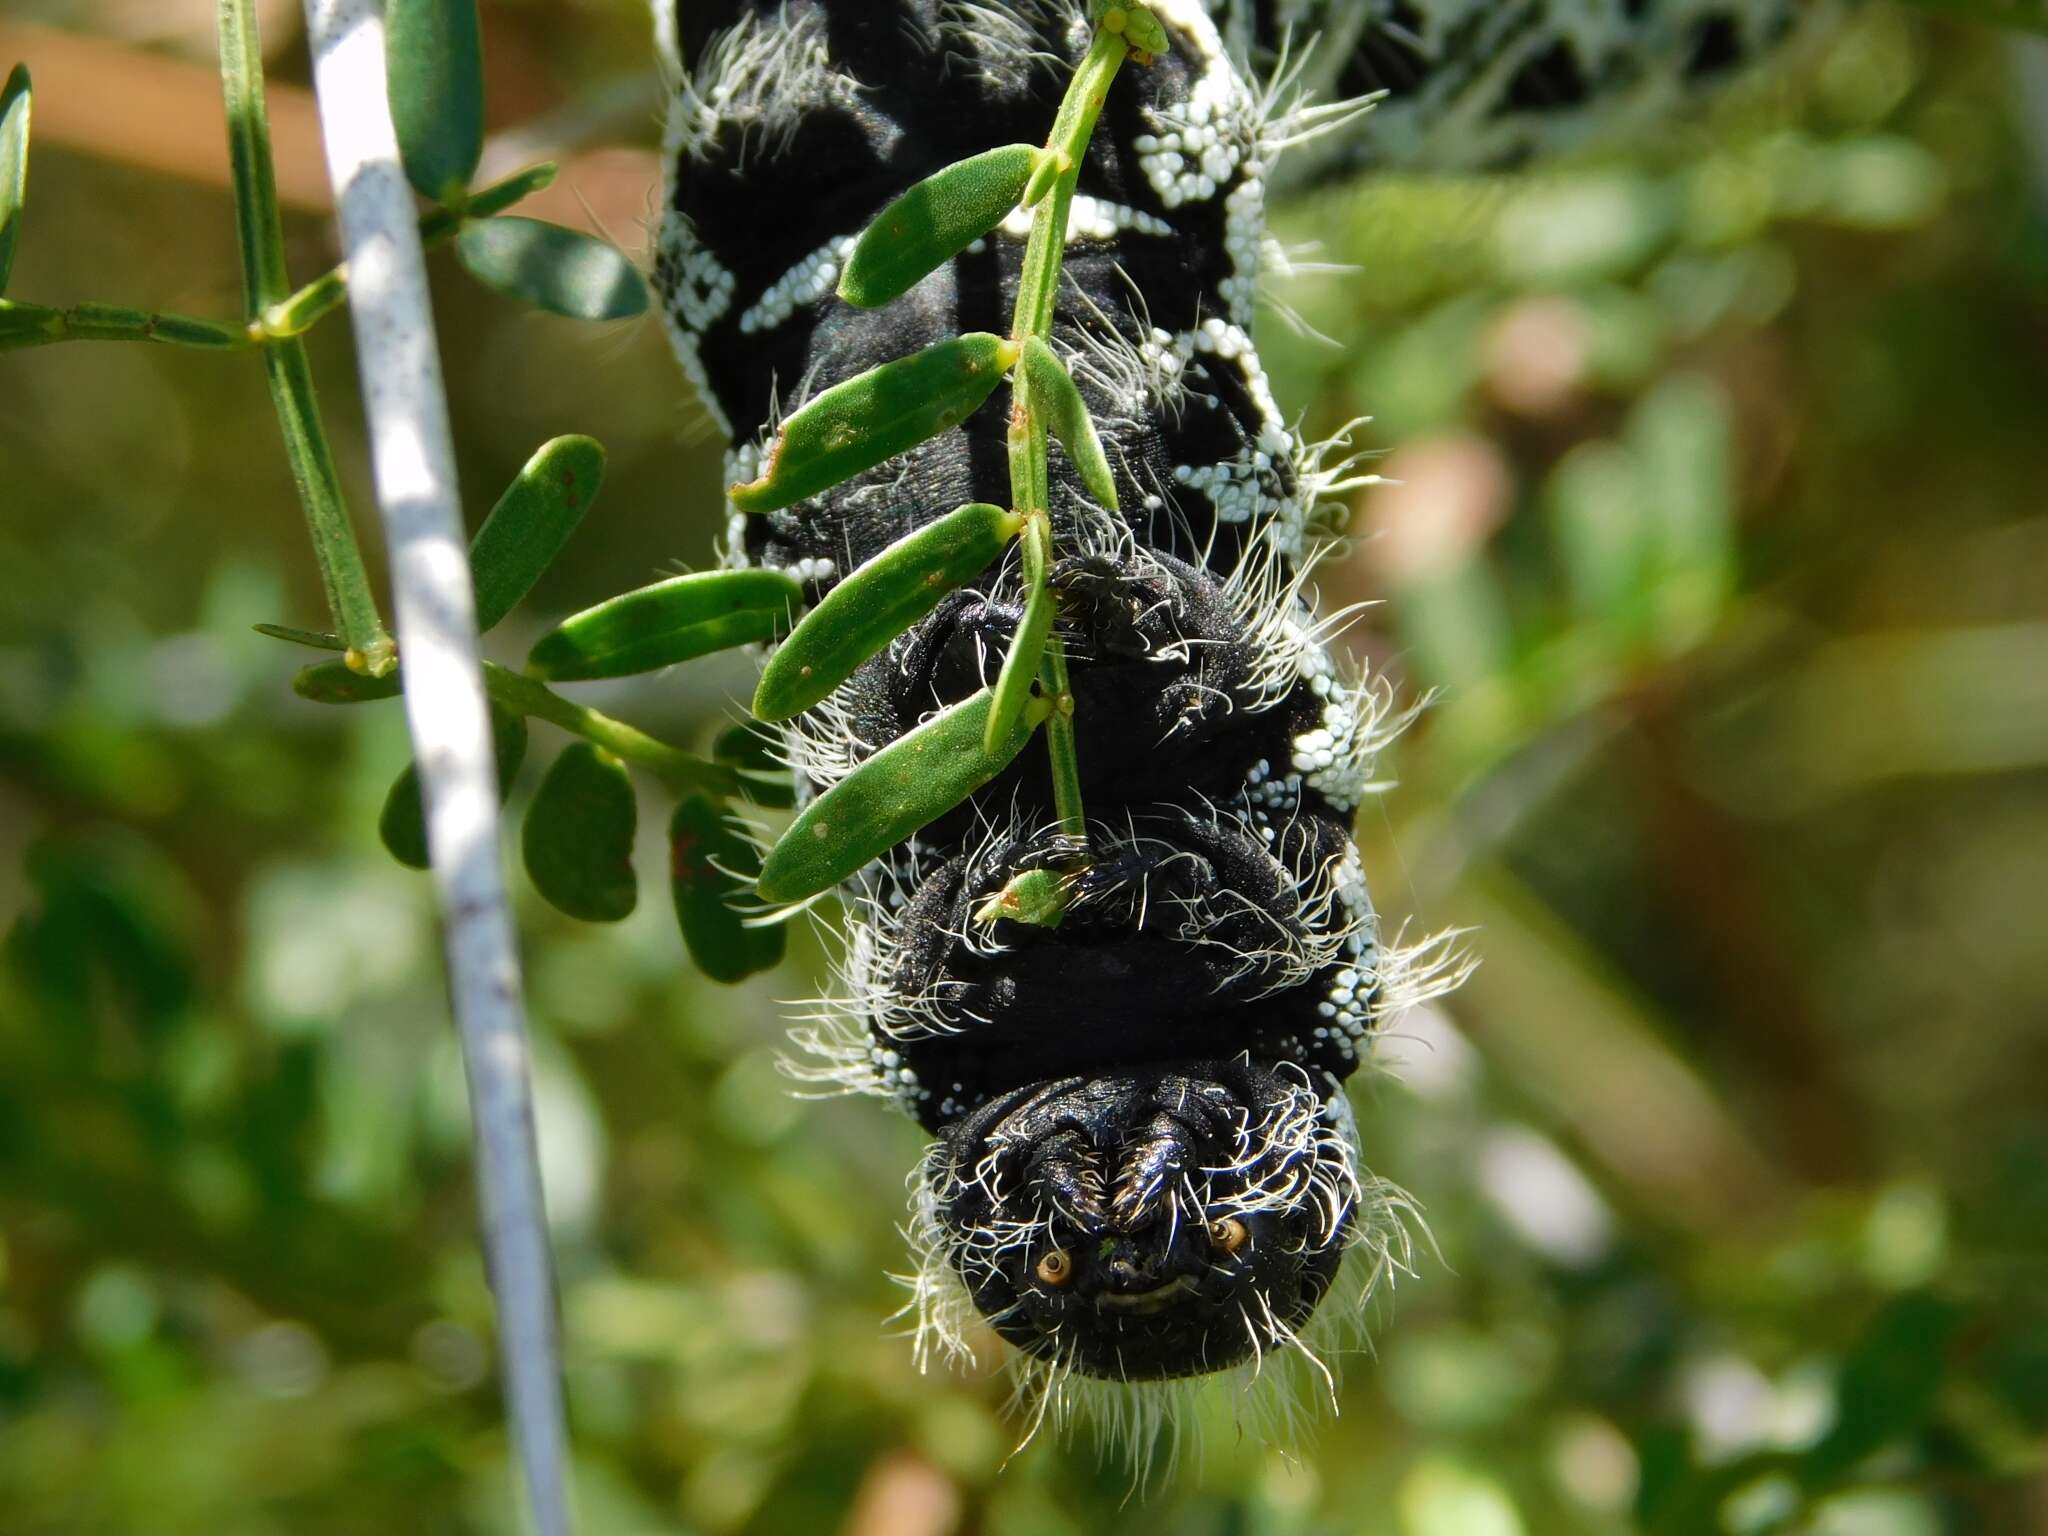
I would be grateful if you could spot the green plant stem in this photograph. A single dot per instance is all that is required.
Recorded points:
(1037, 292)
(679, 770)
(321, 297)
(39, 325)
(266, 281)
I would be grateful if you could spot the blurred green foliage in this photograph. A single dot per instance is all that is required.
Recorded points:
(1720, 538)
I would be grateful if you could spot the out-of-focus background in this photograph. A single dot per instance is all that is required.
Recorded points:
(1720, 539)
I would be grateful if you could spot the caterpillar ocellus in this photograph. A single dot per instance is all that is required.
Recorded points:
(1143, 1167)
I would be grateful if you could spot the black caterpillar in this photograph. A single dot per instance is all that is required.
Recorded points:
(1144, 1168)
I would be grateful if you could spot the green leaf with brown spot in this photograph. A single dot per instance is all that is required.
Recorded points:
(878, 602)
(876, 415)
(914, 780)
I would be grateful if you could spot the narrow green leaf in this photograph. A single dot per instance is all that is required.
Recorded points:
(914, 780)
(316, 639)
(1053, 391)
(671, 621)
(335, 682)
(578, 837)
(15, 100)
(552, 268)
(1027, 645)
(434, 61)
(403, 824)
(712, 868)
(933, 222)
(878, 602)
(876, 415)
(531, 523)
(749, 751)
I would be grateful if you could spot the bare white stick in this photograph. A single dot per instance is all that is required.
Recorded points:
(414, 462)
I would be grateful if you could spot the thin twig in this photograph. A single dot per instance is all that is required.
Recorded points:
(265, 281)
(414, 461)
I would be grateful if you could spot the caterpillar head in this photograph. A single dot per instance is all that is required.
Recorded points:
(1152, 1224)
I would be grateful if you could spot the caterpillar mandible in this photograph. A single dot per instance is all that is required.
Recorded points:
(1143, 1167)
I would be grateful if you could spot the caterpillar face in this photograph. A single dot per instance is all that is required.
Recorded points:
(1161, 1222)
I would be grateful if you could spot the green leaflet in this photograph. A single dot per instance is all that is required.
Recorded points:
(712, 867)
(1054, 391)
(15, 100)
(552, 268)
(578, 837)
(876, 415)
(878, 602)
(319, 640)
(748, 751)
(434, 61)
(933, 222)
(1027, 645)
(335, 682)
(531, 523)
(915, 779)
(403, 822)
(670, 621)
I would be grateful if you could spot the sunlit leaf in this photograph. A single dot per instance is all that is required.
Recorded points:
(712, 867)
(750, 751)
(403, 825)
(876, 415)
(15, 101)
(914, 780)
(531, 523)
(1027, 645)
(1053, 391)
(933, 222)
(434, 60)
(578, 837)
(878, 602)
(552, 268)
(670, 621)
